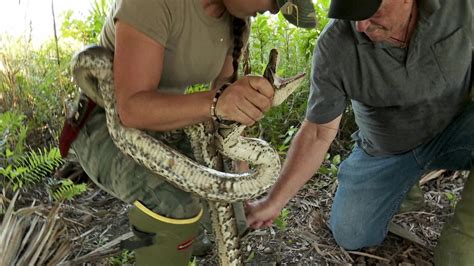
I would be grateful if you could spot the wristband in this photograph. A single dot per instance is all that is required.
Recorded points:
(214, 102)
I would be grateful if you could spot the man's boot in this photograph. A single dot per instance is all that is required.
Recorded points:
(456, 243)
(414, 200)
(161, 240)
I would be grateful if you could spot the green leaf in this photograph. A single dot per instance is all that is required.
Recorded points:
(282, 221)
(8, 153)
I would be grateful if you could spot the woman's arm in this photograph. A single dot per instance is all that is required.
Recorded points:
(138, 65)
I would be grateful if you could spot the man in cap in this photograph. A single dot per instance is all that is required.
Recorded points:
(406, 67)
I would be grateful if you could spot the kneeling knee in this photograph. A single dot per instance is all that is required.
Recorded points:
(353, 237)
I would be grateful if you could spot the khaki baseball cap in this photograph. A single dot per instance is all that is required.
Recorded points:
(300, 13)
(353, 9)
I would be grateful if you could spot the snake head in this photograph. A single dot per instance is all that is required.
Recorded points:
(273, 58)
(284, 87)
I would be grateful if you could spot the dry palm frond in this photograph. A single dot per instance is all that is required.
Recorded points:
(29, 237)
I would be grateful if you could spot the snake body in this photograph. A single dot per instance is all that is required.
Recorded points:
(93, 72)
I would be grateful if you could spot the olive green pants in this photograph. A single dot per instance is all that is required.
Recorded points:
(121, 176)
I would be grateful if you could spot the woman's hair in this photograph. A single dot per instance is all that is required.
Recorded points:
(239, 26)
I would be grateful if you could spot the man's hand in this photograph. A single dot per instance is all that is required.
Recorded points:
(261, 213)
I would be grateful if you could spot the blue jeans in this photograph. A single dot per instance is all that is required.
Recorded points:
(371, 188)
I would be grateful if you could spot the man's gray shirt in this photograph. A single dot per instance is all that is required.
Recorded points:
(401, 97)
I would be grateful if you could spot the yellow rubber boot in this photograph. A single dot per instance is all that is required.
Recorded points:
(161, 240)
(456, 243)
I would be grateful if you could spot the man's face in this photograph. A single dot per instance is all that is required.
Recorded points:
(388, 21)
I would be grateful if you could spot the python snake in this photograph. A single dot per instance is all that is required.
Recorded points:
(93, 73)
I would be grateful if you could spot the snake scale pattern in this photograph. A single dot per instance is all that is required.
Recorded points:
(92, 71)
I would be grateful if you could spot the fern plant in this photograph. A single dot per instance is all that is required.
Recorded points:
(31, 168)
(65, 189)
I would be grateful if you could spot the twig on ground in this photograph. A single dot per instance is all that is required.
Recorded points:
(405, 233)
(83, 234)
(430, 176)
(347, 255)
(109, 249)
(369, 255)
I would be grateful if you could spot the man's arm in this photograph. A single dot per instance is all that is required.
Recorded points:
(306, 154)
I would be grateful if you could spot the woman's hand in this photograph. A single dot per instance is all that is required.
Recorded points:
(246, 100)
(261, 213)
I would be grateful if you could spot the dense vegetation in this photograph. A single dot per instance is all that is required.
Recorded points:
(36, 89)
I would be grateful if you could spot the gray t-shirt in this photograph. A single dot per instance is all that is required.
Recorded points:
(401, 98)
(195, 44)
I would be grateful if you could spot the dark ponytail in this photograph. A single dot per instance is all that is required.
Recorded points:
(239, 26)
